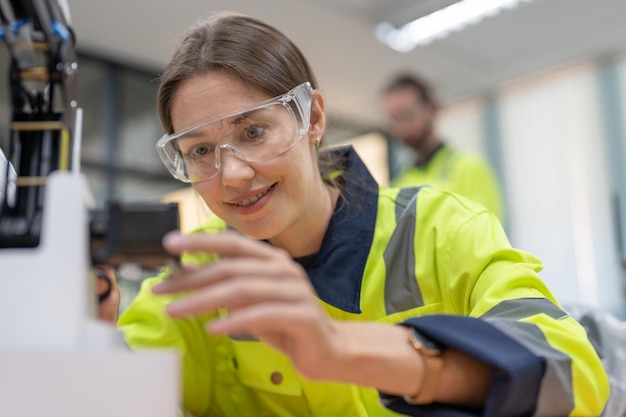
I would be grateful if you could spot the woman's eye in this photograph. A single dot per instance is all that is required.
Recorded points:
(198, 151)
(254, 132)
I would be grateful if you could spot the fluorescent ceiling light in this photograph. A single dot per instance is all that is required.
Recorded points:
(440, 23)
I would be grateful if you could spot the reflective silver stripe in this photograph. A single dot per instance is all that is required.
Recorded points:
(557, 380)
(401, 290)
(525, 307)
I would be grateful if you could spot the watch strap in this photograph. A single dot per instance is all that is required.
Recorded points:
(433, 365)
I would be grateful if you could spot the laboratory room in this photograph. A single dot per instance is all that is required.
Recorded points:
(336, 208)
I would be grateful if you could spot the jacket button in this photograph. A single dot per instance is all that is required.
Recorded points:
(276, 378)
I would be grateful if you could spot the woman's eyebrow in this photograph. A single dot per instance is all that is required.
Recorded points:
(241, 117)
(190, 135)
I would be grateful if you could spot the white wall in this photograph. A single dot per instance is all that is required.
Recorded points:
(461, 125)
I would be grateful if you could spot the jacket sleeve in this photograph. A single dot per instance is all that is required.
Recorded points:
(505, 315)
(146, 326)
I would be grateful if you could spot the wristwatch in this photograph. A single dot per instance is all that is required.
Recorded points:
(433, 364)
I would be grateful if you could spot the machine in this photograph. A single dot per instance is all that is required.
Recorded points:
(56, 357)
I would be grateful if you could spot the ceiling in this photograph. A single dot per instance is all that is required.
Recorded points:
(338, 38)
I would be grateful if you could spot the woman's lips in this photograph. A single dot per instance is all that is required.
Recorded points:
(253, 199)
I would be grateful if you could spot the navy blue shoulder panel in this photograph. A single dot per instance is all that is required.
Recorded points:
(337, 271)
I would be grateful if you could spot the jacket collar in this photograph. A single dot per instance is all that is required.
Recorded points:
(438, 151)
(336, 272)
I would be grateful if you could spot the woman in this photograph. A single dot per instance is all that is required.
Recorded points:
(315, 292)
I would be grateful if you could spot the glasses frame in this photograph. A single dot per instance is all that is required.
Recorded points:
(300, 95)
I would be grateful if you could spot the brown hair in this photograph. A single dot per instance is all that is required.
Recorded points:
(244, 47)
(247, 48)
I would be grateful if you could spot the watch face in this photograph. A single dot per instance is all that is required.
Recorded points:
(426, 345)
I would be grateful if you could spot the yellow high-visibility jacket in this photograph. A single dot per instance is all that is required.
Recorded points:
(427, 258)
(465, 173)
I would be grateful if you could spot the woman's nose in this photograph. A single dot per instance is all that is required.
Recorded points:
(234, 167)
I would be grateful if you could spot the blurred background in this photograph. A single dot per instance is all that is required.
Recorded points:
(538, 88)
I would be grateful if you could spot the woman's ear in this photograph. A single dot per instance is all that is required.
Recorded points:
(318, 116)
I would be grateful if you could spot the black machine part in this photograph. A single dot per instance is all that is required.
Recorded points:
(132, 233)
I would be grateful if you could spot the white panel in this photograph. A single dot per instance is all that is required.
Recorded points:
(619, 156)
(557, 181)
(621, 67)
(93, 383)
(56, 358)
(46, 293)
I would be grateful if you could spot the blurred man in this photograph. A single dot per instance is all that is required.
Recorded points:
(411, 108)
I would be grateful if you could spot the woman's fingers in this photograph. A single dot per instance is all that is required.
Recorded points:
(303, 332)
(237, 293)
(225, 244)
(249, 276)
(224, 269)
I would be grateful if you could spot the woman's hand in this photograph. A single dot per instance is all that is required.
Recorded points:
(269, 296)
(266, 294)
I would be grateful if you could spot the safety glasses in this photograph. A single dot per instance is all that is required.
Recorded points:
(256, 134)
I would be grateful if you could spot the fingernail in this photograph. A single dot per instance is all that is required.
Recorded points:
(172, 238)
(215, 326)
(174, 309)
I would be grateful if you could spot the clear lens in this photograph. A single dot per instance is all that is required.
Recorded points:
(255, 135)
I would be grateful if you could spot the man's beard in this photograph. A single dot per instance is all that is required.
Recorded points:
(418, 140)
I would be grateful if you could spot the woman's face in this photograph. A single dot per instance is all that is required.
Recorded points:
(262, 200)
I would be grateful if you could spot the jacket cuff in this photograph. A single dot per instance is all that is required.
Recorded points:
(514, 384)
